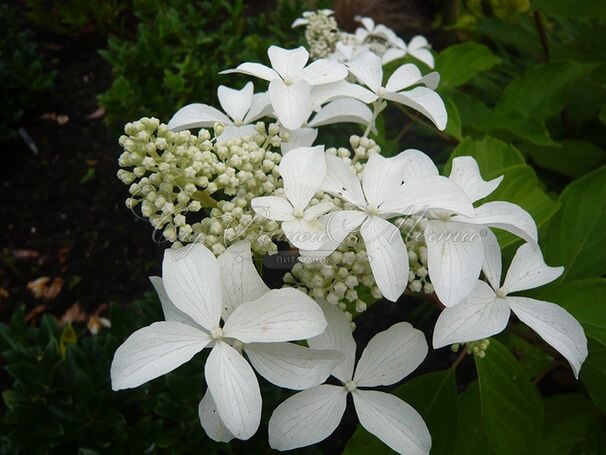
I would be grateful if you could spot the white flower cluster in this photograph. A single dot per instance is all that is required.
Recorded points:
(364, 226)
(321, 32)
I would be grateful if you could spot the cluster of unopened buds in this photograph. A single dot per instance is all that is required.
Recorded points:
(363, 226)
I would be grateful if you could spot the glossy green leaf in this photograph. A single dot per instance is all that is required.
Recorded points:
(459, 63)
(575, 237)
(573, 158)
(493, 155)
(512, 412)
(567, 417)
(470, 439)
(453, 127)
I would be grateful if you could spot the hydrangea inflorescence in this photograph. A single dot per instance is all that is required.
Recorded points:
(363, 226)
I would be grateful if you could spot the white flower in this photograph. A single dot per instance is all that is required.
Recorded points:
(371, 30)
(418, 47)
(345, 52)
(302, 171)
(384, 193)
(486, 311)
(312, 415)
(242, 108)
(455, 251)
(192, 279)
(291, 82)
(368, 69)
(307, 14)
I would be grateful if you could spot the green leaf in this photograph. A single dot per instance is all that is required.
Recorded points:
(512, 412)
(453, 127)
(521, 186)
(573, 158)
(542, 91)
(515, 125)
(575, 237)
(459, 63)
(471, 439)
(593, 373)
(572, 8)
(567, 418)
(434, 396)
(534, 359)
(492, 155)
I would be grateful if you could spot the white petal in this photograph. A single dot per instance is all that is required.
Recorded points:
(418, 42)
(307, 417)
(391, 355)
(210, 420)
(261, 107)
(170, 311)
(405, 76)
(302, 137)
(454, 257)
(272, 208)
(424, 100)
(429, 193)
(343, 111)
(528, 270)
(191, 279)
(416, 164)
(382, 177)
(291, 103)
(302, 170)
(153, 351)
(367, 22)
(197, 115)
(480, 316)
(368, 69)
(298, 22)
(236, 103)
(393, 421)
(280, 315)
(556, 326)
(423, 55)
(314, 211)
(466, 173)
(340, 224)
(387, 255)
(236, 132)
(492, 259)
(341, 181)
(306, 235)
(337, 337)
(321, 94)
(324, 71)
(288, 62)
(292, 366)
(254, 69)
(507, 216)
(240, 281)
(235, 390)
(392, 54)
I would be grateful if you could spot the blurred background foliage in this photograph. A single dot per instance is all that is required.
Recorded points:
(524, 82)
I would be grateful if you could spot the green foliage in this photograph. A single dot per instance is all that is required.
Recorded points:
(511, 409)
(179, 49)
(60, 396)
(23, 76)
(67, 17)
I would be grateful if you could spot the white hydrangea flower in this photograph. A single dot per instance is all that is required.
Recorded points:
(310, 416)
(307, 14)
(192, 280)
(371, 30)
(455, 249)
(242, 107)
(487, 310)
(291, 81)
(418, 47)
(368, 69)
(302, 172)
(382, 194)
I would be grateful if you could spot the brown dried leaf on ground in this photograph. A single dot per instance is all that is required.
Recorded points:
(24, 254)
(98, 113)
(4, 294)
(35, 312)
(73, 314)
(44, 288)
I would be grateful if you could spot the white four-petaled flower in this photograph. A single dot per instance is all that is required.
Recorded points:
(310, 416)
(291, 82)
(203, 290)
(242, 107)
(486, 311)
